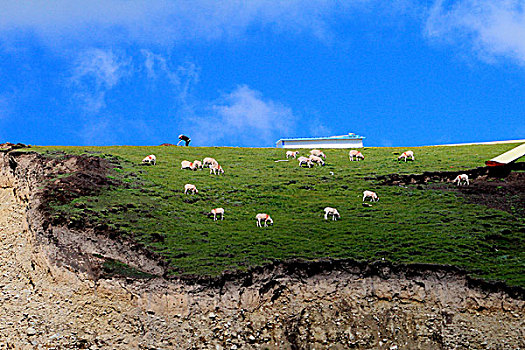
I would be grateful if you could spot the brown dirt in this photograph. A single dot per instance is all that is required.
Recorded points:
(58, 180)
(506, 194)
(8, 146)
(502, 189)
(50, 298)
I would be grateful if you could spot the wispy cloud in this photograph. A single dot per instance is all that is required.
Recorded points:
(242, 116)
(102, 67)
(182, 78)
(157, 65)
(189, 74)
(491, 29)
(96, 72)
(165, 21)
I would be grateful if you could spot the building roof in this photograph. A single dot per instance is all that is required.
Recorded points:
(508, 157)
(350, 136)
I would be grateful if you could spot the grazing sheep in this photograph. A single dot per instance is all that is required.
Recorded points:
(217, 211)
(267, 219)
(208, 161)
(185, 164)
(461, 179)
(318, 153)
(198, 164)
(216, 169)
(405, 155)
(151, 159)
(292, 154)
(316, 160)
(372, 195)
(190, 188)
(358, 155)
(331, 211)
(304, 160)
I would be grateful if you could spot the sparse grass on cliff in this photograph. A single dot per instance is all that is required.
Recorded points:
(407, 225)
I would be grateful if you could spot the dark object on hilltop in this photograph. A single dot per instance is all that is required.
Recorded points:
(185, 139)
(167, 144)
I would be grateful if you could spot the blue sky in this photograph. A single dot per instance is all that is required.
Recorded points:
(246, 73)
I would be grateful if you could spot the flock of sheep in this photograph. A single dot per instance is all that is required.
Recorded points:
(316, 157)
(215, 169)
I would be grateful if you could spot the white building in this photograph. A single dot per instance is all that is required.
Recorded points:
(344, 141)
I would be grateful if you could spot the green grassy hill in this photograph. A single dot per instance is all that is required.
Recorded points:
(407, 225)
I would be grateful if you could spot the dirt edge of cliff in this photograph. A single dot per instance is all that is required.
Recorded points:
(240, 308)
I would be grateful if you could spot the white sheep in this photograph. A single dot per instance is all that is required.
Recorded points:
(461, 179)
(216, 169)
(190, 188)
(357, 154)
(209, 161)
(267, 219)
(372, 195)
(331, 211)
(186, 164)
(217, 211)
(151, 159)
(318, 153)
(198, 164)
(405, 155)
(316, 160)
(292, 154)
(304, 160)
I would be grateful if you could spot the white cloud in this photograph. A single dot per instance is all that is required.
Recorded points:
(182, 78)
(96, 72)
(156, 65)
(492, 29)
(243, 116)
(189, 76)
(164, 21)
(103, 67)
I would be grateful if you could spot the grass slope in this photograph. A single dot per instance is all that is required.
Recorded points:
(408, 224)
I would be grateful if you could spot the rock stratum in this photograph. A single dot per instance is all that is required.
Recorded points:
(53, 295)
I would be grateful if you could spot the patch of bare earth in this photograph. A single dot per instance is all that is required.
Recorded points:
(53, 297)
(506, 194)
(502, 189)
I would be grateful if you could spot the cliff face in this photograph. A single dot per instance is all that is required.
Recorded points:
(52, 294)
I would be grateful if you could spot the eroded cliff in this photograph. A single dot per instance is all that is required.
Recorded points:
(53, 295)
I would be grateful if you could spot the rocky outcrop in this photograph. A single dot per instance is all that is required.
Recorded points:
(49, 301)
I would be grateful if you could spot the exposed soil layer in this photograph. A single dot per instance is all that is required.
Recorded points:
(81, 243)
(53, 297)
(506, 194)
(498, 188)
(8, 146)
